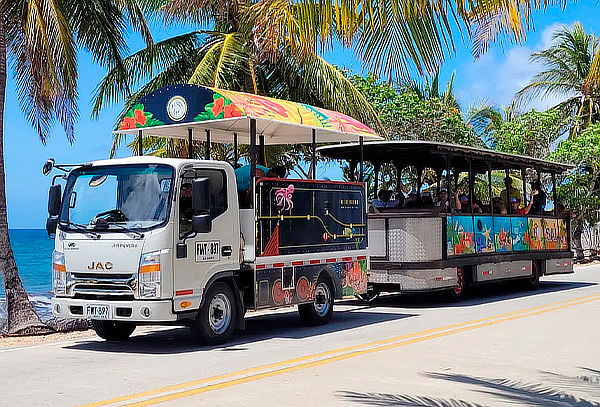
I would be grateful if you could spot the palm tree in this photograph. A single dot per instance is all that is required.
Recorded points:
(272, 46)
(572, 71)
(40, 38)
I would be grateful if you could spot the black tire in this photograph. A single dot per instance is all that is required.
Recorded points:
(368, 297)
(215, 323)
(532, 282)
(320, 311)
(457, 293)
(113, 330)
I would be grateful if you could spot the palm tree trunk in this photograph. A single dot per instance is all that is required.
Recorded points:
(577, 235)
(22, 318)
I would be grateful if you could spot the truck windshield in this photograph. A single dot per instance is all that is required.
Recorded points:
(117, 197)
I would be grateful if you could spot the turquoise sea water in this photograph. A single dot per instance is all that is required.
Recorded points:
(33, 251)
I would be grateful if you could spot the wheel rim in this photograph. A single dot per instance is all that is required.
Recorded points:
(458, 288)
(322, 299)
(219, 313)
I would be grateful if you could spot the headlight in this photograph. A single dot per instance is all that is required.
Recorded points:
(149, 275)
(59, 273)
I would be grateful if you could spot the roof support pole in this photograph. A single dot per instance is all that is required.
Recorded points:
(451, 203)
(507, 181)
(489, 179)
(190, 144)
(471, 185)
(262, 160)
(235, 150)
(376, 185)
(362, 158)
(313, 152)
(352, 170)
(253, 155)
(523, 176)
(207, 154)
(140, 142)
(554, 193)
(419, 183)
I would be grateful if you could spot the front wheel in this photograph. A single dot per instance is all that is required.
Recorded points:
(320, 311)
(113, 330)
(215, 322)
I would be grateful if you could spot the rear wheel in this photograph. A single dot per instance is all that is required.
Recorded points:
(215, 322)
(457, 293)
(113, 330)
(320, 311)
(368, 297)
(532, 282)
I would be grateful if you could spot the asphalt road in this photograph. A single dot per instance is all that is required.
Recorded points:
(500, 347)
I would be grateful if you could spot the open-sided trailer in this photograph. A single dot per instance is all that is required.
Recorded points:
(419, 248)
(128, 253)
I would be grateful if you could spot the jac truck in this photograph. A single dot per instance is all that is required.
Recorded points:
(149, 240)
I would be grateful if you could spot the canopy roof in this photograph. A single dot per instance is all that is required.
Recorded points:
(173, 110)
(428, 154)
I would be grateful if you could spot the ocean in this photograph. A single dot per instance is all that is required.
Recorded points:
(33, 251)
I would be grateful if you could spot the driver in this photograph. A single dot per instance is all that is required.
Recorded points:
(185, 207)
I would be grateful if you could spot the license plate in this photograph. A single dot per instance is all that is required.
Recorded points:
(97, 311)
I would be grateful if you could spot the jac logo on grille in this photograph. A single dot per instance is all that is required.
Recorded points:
(71, 244)
(98, 265)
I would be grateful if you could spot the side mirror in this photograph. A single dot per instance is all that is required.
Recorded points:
(201, 223)
(54, 200)
(51, 224)
(200, 195)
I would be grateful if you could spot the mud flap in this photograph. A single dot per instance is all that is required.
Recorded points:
(240, 323)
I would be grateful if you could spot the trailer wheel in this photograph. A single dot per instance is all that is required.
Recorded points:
(457, 293)
(320, 311)
(215, 322)
(113, 330)
(532, 282)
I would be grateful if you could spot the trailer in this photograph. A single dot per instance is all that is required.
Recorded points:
(421, 247)
(148, 240)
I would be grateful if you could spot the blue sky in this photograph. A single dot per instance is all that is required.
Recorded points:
(494, 78)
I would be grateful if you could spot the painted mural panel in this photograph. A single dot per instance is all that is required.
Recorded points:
(502, 234)
(519, 237)
(535, 233)
(449, 236)
(300, 216)
(551, 238)
(461, 236)
(563, 238)
(484, 234)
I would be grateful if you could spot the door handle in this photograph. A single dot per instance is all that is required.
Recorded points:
(226, 251)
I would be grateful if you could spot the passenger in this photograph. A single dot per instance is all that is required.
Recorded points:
(515, 206)
(426, 200)
(243, 179)
(413, 200)
(468, 207)
(498, 207)
(384, 200)
(511, 193)
(538, 197)
(443, 203)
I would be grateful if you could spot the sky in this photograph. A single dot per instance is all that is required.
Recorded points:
(493, 78)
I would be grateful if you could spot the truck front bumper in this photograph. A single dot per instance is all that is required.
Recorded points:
(155, 311)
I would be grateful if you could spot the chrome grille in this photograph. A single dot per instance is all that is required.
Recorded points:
(103, 285)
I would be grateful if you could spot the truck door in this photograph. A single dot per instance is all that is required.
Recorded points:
(207, 253)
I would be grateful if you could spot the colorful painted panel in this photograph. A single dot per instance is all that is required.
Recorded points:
(519, 237)
(299, 216)
(353, 275)
(535, 233)
(551, 239)
(502, 234)
(484, 234)
(460, 235)
(563, 238)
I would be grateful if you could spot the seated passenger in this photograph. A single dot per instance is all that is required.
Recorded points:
(538, 197)
(443, 203)
(511, 193)
(426, 200)
(413, 200)
(243, 179)
(515, 207)
(498, 207)
(383, 200)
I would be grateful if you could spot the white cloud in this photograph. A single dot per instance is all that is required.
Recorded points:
(496, 78)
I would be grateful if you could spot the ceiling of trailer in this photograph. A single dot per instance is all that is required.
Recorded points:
(433, 155)
(174, 110)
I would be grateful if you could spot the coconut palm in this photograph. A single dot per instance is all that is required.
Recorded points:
(272, 47)
(571, 70)
(40, 39)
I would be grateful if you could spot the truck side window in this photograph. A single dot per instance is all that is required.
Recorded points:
(217, 197)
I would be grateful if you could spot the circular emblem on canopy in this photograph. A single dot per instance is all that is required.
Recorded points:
(177, 108)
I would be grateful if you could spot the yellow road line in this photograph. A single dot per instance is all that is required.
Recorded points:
(353, 352)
